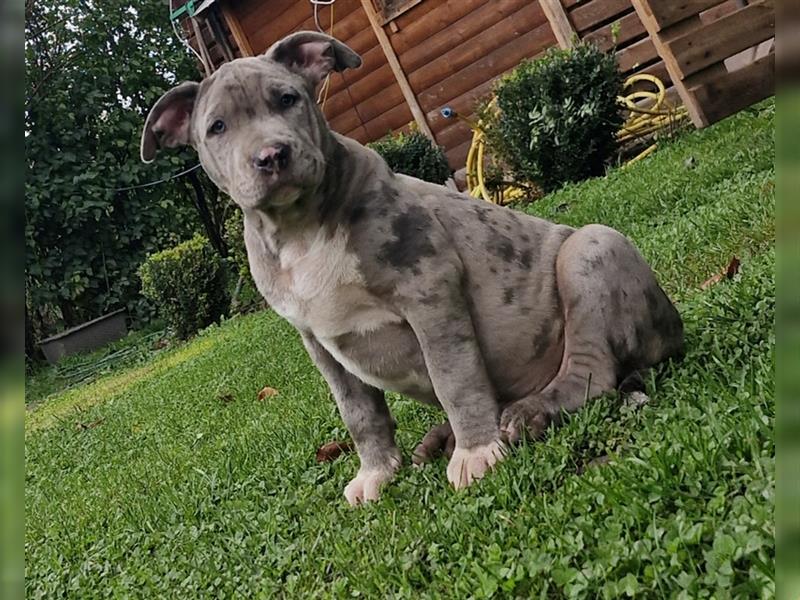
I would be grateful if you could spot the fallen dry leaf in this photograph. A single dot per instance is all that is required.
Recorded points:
(84, 426)
(727, 273)
(332, 450)
(267, 392)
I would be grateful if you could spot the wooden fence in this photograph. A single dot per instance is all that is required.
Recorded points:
(422, 55)
(720, 55)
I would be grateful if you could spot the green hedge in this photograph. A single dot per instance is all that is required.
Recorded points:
(413, 154)
(187, 284)
(558, 116)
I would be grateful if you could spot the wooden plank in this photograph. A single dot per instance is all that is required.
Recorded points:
(661, 39)
(638, 53)
(359, 134)
(388, 121)
(361, 91)
(670, 12)
(723, 96)
(457, 157)
(403, 8)
(597, 12)
(559, 22)
(488, 67)
(630, 27)
(381, 102)
(716, 41)
(460, 31)
(346, 121)
(265, 29)
(248, 11)
(716, 12)
(464, 105)
(417, 13)
(402, 81)
(419, 30)
(499, 34)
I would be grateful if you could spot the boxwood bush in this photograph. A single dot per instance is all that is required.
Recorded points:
(558, 116)
(413, 154)
(187, 284)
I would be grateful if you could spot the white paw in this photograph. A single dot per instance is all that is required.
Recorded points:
(366, 486)
(470, 464)
(636, 399)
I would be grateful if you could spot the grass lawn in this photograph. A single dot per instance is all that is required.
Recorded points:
(170, 478)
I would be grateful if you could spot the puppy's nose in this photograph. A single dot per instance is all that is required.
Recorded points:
(272, 158)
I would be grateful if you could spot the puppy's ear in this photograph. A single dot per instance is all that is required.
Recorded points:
(313, 55)
(167, 125)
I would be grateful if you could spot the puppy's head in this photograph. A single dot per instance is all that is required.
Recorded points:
(255, 122)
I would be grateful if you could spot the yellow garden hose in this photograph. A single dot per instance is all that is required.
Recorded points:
(649, 112)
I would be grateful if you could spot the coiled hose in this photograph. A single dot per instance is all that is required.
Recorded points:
(649, 112)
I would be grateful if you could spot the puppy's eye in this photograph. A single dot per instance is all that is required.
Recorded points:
(217, 127)
(288, 100)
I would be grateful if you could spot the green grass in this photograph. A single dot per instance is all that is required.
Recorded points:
(172, 479)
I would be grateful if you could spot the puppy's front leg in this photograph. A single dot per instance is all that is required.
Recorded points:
(366, 415)
(456, 368)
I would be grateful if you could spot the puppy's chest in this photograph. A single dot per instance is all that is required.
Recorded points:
(316, 285)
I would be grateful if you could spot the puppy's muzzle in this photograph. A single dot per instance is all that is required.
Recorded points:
(273, 158)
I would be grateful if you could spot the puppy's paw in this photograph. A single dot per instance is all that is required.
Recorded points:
(470, 464)
(366, 486)
(524, 418)
(439, 440)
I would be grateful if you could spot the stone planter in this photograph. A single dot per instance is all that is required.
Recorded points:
(86, 336)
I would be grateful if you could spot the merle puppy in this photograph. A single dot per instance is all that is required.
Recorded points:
(501, 319)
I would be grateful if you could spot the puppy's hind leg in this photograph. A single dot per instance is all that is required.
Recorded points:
(590, 282)
(439, 440)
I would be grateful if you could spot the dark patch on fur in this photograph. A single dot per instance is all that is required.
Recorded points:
(508, 295)
(431, 299)
(542, 340)
(462, 338)
(411, 243)
(502, 247)
(526, 258)
(357, 213)
(482, 213)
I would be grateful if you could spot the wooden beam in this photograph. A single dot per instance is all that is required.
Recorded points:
(236, 30)
(559, 22)
(208, 64)
(397, 69)
(661, 40)
(219, 33)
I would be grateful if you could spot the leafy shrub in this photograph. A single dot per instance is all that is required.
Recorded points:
(187, 284)
(414, 154)
(557, 117)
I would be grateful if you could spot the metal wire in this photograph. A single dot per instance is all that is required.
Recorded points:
(152, 183)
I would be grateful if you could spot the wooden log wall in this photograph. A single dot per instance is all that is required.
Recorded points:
(364, 103)
(451, 52)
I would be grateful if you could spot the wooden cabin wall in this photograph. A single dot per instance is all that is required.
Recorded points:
(452, 51)
(364, 103)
